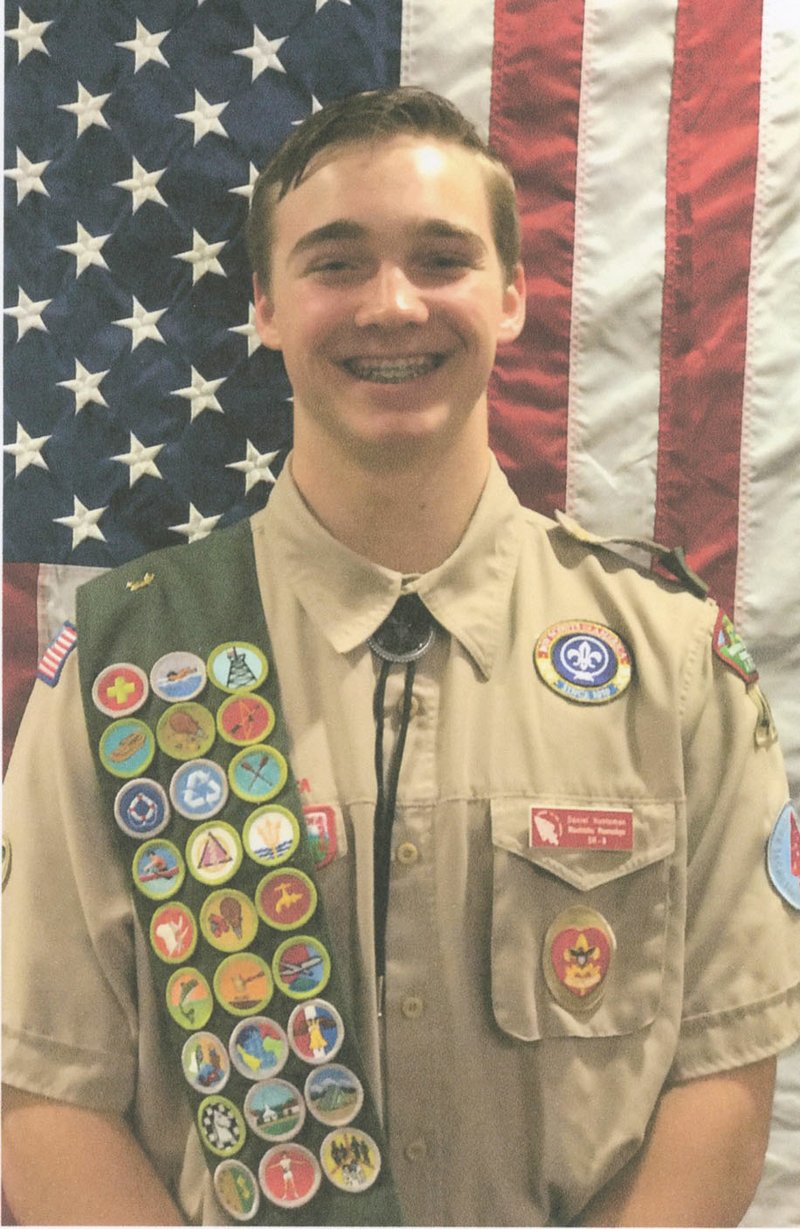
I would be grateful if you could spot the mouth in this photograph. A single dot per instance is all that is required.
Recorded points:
(397, 369)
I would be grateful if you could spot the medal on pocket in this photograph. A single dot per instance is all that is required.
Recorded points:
(578, 951)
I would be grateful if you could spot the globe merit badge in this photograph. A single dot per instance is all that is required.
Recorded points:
(583, 661)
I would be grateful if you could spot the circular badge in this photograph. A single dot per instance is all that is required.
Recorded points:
(783, 856)
(126, 747)
(289, 1175)
(578, 949)
(243, 984)
(274, 1110)
(178, 676)
(199, 789)
(257, 773)
(259, 1048)
(350, 1159)
(158, 869)
(120, 689)
(237, 666)
(173, 932)
(245, 719)
(189, 1000)
(221, 1125)
(334, 1095)
(186, 731)
(236, 1190)
(205, 1062)
(214, 852)
(301, 967)
(228, 919)
(583, 661)
(271, 835)
(141, 808)
(286, 899)
(316, 1031)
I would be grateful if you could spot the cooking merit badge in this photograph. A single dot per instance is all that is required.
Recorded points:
(583, 661)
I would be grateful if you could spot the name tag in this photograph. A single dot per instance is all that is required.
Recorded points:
(576, 828)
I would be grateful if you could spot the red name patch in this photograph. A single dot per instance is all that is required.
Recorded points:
(574, 828)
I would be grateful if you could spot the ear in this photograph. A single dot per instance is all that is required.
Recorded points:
(513, 313)
(266, 325)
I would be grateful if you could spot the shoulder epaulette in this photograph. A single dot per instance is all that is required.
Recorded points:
(671, 558)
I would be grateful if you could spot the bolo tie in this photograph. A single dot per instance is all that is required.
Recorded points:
(405, 634)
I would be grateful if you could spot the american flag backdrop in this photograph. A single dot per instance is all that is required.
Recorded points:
(654, 392)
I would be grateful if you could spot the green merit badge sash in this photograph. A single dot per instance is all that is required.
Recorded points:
(183, 711)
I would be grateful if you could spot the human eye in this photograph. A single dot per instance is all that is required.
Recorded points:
(446, 263)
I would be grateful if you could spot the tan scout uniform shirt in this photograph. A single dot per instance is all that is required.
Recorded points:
(503, 1107)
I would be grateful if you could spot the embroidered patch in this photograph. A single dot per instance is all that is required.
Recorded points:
(173, 932)
(289, 1175)
(158, 869)
(245, 719)
(316, 1031)
(120, 689)
(178, 676)
(583, 661)
(236, 1190)
(55, 655)
(334, 1094)
(731, 650)
(578, 950)
(321, 828)
(205, 1062)
(783, 856)
(350, 1159)
(257, 773)
(189, 999)
(221, 1125)
(228, 920)
(301, 967)
(286, 899)
(243, 984)
(259, 1048)
(271, 835)
(580, 828)
(237, 666)
(274, 1109)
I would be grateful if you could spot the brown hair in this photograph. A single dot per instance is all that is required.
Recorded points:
(375, 116)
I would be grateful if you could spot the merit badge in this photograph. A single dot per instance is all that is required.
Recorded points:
(55, 655)
(120, 689)
(274, 1110)
(189, 1000)
(126, 747)
(228, 919)
(221, 1125)
(199, 789)
(237, 666)
(173, 932)
(301, 967)
(271, 835)
(236, 1189)
(286, 899)
(246, 719)
(334, 1095)
(350, 1159)
(316, 1031)
(731, 650)
(186, 731)
(257, 773)
(321, 828)
(205, 1062)
(141, 808)
(583, 661)
(259, 1048)
(580, 828)
(578, 949)
(178, 676)
(289, 1175)
(783, 855)
(214, 852)
(243, 984)
(158, 869)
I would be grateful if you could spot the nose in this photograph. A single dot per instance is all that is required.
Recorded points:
(391, 297)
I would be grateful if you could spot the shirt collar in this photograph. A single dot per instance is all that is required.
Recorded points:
(348, 597)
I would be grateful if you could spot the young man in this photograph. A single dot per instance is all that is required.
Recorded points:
(543, 781)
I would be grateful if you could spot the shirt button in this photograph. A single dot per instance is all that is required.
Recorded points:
(417, 1150)
(412, 1007)
(407, 853)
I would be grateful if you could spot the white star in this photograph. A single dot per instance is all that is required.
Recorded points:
(88, 109)
(86, 249)
(28, 176)
(205, 117)
(197, 526)
(27, 450)
(255, 467)
(249, 331)
(142, 324)
(316, 106)
(201, 394)
(140, 459)
(245, 189)
(202, 257)
(28, 35)
(28, 314)
(263, 53)
(321, 4)
(145, 46)
(83, 522)
(85, 386)
(142, 185)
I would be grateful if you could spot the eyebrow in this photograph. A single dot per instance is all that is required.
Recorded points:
(346, 229)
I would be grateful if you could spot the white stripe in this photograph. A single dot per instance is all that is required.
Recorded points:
(768, 593)
(618, 264)
(447, 47)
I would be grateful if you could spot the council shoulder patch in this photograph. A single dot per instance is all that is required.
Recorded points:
(55, 655)
(731, 649)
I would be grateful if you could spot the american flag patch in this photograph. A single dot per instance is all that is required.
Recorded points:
(52, 660)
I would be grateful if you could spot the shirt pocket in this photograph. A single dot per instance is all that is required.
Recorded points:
(535, 886)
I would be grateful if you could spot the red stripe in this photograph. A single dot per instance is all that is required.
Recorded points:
(534, 127)
(20, 645)
(711, 164)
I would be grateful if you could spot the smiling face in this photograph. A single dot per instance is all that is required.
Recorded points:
(388, 300)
